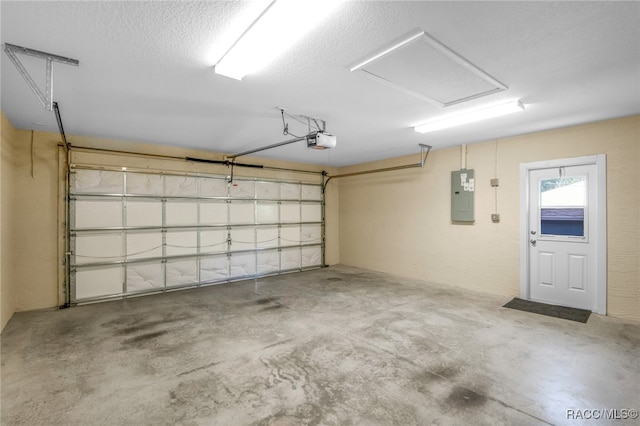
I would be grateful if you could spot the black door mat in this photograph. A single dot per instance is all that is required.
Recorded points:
(572, 314)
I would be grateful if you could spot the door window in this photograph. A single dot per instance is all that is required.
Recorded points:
(562, 206)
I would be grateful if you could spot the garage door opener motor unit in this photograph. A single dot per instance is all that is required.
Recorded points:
(321, 140)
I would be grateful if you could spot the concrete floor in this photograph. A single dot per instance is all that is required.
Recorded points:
(337, 346)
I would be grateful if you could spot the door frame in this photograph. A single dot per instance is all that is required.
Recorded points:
(600, 161)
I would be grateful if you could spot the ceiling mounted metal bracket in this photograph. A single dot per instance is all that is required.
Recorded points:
(45, 98)
(424, 153)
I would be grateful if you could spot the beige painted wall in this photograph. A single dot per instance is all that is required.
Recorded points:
(7, 305)
(10, 165)
(399, 222)
(29, 222)
(32, 217)
(4, 298)
(10, 137)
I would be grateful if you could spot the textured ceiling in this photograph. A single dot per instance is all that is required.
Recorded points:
(146, 72)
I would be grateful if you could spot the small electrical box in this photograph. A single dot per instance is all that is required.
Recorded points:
(495, 217)
(462, 189)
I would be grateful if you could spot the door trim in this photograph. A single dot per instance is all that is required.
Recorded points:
(600, 161)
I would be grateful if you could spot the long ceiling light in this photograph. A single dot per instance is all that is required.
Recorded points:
(491, 111)
(276, 29)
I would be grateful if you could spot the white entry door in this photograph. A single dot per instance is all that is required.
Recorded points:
(563, 237)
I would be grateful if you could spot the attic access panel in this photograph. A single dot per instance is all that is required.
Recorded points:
(423, 67)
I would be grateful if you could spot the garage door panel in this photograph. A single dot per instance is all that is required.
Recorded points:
(181, 243)
(241, 213)
(267, 212)
(311, 192)
(137, 232)
(290, 259)
(268, 262)
(213, 213)
(181, 272)
(97, 182)
(181, 213)
(144, 213)
(213, 241)
(97, 214)
(289, 212)
(180, 186)
(267, 237)
(242, 265)
(290, 236)
(289, 191)
(267, 190)
(242, 189)
(214, 269)
(144, 184)
(102, 247)
(212, 187)
(311, 234)
(311, 212)
(98, 282)
(145, 277)
(243, 239)
(310, 256)
(144, 245)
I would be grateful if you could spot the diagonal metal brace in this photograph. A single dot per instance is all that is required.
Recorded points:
(424, 153)
(45, 98)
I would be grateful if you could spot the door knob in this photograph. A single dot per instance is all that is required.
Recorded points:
(533, 232)
(533, 242)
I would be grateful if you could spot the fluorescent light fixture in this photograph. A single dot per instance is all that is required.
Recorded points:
(275, 30)
(485, 113)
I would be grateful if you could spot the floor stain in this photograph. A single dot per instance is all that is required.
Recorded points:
(631, 334)
(144, 337)
(306, 414)
(145, 325)
(265, 300)
(67, 328)
(271, 308)
(127, 324)
(462, 397)
(422, 381)
(184, 373)
(426, 377)
(447, 372)
(279, 343)
(444, 372)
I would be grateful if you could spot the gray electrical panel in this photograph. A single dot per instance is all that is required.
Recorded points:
(463, 186)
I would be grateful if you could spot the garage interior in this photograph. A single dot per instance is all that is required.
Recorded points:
(307, 242)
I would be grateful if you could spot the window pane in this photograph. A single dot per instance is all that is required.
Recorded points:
(562, 206)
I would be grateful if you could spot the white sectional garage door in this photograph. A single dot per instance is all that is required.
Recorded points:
(134, 233)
